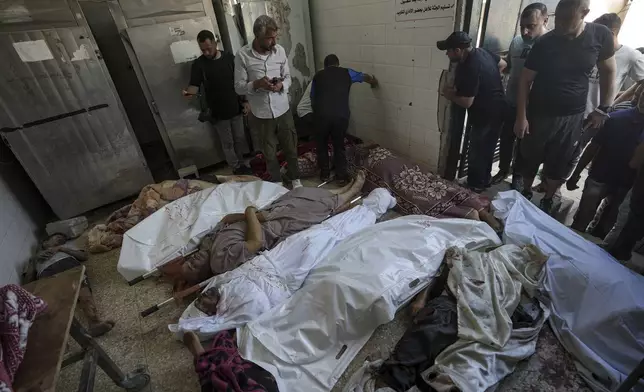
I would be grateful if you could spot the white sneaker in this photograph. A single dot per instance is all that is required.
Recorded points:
(297, 184)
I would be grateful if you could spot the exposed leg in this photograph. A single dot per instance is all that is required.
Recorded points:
(343, 189)
(191, 341)
(97, 327)
(354, 190)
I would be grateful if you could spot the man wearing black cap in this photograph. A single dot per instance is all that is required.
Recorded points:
(478, 88)
(555, 78)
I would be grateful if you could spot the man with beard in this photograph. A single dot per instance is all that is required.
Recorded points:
(214, 70)
(533, 24)
(556, 79)
(262, 74)
(478, 88)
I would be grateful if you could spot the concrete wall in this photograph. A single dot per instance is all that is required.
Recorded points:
(23, 213)
(402, 113)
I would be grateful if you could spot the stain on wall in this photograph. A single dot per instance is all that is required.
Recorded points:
(280, 10)
(299, 60)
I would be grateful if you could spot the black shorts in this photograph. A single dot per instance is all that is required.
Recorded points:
(553, 141)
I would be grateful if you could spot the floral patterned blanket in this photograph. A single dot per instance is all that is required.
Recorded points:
(417, 192)
(18, 310)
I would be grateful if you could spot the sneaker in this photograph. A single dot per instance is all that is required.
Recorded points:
(242, 170)
(546, 205)
(499, 177)
(296, 184)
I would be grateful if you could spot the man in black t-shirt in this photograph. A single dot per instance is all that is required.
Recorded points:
(214, 69)
(478, 88)
(558, 69)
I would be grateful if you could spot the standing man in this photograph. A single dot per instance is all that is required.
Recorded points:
(215, 70)
(262, 74)
(558, 69)
(629, 63)
(330, 97)
(533, 24)
(478, 88)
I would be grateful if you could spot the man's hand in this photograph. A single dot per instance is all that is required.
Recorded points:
(277, 87)
(596, 120)
(521, 127)
(245, 108)
(571, 184)
(263, 84)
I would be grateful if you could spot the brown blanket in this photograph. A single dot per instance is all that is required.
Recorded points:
(417, 192)
(108, 236)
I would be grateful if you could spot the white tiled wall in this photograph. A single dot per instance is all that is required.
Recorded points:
(21, 216)
(402, 113)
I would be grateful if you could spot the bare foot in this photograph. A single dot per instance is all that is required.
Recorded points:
(191, 340)
(488, 218)
(100, 329)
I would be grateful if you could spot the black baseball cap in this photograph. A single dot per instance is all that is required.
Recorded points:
(458, 39)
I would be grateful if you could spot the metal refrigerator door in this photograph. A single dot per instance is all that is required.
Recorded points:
(78, 159)
(165, 52)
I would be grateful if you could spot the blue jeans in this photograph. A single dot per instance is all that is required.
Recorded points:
(481, 154)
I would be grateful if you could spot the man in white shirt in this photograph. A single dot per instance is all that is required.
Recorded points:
(262, 74)
(305, 114)
(630, 63)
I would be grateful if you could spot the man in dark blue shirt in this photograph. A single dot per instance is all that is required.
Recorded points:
(610, 176)
(330, 100)
(478, 88)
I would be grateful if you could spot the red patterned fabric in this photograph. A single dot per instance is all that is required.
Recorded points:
(307, 160)
(18, 310)
(417, 192)
(222, 369)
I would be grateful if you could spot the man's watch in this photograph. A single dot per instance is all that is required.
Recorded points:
(604, 110)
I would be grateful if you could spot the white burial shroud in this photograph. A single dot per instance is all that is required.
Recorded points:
(177, 228)
(307, 342)
(273, 276)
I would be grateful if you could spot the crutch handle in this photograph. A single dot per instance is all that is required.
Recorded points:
(149, 311)
(136, 280)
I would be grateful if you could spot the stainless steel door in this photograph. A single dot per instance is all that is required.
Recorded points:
(62, 120)
(165, 52)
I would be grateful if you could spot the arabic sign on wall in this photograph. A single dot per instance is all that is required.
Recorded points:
(423, 9)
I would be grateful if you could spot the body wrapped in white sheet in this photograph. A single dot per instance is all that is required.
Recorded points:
(178, 227)
(597, 305)
(273, 276)
(359, 286)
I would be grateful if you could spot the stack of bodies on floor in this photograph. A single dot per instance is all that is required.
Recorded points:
(472, 334)
(268, 279)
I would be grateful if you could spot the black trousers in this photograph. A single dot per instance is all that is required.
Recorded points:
(480, 155)
(336, 128)
(508, 149)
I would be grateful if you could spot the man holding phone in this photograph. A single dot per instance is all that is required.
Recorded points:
(214, 69)
(262, 74)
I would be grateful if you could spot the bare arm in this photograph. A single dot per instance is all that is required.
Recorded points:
(521, 127)
(626, 95)
(465, 102)
(371, 79)
(607, 70)
(191, 90)
(502, 65)
(254, 237)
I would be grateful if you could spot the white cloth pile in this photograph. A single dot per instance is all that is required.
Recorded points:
(273, 276)
(177, 228)
(597, 304)
(489, 287)
(307, 342)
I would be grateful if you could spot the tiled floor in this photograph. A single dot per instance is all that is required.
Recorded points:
(136, 341)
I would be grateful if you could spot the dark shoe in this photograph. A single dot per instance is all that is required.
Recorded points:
(517, 182)
(546, 205)
(101, 328)
(242, 170)
(527, 194)
(500, 177)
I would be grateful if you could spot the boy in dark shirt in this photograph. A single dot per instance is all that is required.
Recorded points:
(610, 175)
(558, 70)
(478, 88)
(215, 70)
